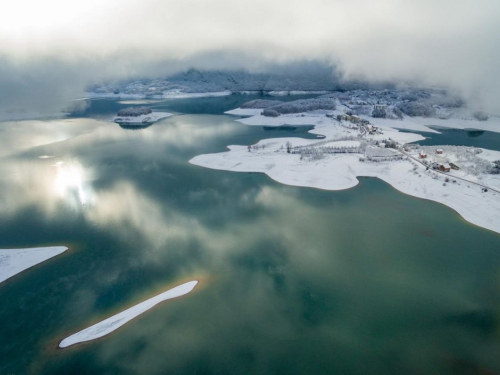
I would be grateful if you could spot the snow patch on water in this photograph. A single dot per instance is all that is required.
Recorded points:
(14, 261)
(110, 324)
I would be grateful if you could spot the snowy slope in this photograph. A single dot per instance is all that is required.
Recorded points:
(14, 261)
(319, 80)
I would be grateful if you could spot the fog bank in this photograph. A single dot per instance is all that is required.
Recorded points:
(52, 51)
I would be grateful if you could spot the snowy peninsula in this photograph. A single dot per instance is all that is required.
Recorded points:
(139, 116)
(463, 178)
(109, 325)
(14, 261)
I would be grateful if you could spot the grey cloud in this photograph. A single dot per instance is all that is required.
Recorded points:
(49, 59)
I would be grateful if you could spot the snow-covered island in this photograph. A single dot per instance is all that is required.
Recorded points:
(14, 261)
(361, 139)
(139, 116)
(114, 322)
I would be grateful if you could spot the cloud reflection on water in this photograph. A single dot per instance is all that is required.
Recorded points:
(18, 136)
(298, 274)
(30, 178)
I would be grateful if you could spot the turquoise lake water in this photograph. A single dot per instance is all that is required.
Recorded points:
(460, 137)
(292, 280)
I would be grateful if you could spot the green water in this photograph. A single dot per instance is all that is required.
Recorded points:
(293, 280)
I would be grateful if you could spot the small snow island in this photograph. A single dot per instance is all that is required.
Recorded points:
(139, 116)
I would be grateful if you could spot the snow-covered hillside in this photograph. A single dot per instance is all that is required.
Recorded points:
(320, 80)
(359, 98)
(381, 105)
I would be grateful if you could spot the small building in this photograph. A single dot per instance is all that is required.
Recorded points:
(454, 166)
(422, 155)
(439, 151)
(381, 154)
(444, 167)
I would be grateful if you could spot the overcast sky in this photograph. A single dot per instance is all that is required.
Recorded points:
(50, 49)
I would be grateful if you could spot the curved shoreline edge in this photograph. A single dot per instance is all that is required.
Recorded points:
(14, 261)
(340, 171)
(114, 322)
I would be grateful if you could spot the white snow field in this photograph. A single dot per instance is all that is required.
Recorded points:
(14, 261)
(116, 321)
(143, 119)
(340, 171)
(252, 116)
